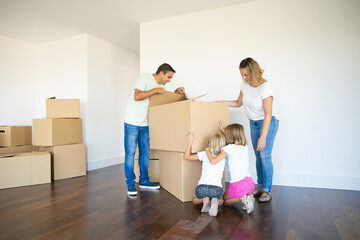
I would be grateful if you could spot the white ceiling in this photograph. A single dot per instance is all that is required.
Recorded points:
(116, 21)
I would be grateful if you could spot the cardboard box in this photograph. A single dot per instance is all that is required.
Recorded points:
(11, 136)
(153, 154)
(178, 176)
(67, 161)
(62, 108)
(25, 169)
(170, 122)
(153, 171)
(19, 149)
(56, 131)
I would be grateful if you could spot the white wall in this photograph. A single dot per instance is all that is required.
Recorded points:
(17, 81)
(310, 51)
(62, 72)
(99, 73)
(112, 72)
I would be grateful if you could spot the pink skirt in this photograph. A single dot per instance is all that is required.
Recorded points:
(241, 188)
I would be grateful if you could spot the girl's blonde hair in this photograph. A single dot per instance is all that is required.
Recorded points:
(216, 142)
(253, 68)
(235, 134)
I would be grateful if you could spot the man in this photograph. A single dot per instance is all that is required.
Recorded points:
(136, 126)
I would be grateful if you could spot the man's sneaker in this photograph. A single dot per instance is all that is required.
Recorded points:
(131, 190)
(250, 203)
(206, 205)
(149, 185)
(214, 207)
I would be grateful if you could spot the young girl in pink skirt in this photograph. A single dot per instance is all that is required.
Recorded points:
(236, 151)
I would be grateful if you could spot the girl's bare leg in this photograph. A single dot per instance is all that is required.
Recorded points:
(228, 200)
(197, 201)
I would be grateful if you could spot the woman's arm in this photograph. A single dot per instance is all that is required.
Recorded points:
(218, 158)
(235, 103)
(267, 105)
(142, 95)
(187, 154)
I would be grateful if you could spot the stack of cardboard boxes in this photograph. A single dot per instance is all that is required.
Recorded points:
(20, 164)
(60, 133)
(171, 116)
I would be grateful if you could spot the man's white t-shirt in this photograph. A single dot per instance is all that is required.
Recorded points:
(211, 174)
(137, 111)
(238, 160)
(252, 100)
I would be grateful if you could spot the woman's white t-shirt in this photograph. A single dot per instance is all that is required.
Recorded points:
(252, 100)
(238, 161)
(211, 174)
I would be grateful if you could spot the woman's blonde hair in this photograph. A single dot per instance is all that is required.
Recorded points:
(253, 68)
(235, 134)
(216, 142)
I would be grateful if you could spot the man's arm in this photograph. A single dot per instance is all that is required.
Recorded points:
(142, 95)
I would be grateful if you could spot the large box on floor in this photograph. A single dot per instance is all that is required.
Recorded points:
(153, 170)
(11, 136)
(169, 122)
(18, 149)
(178, 176)
(62, 108)
(25, 169)
(56, 131)
(67, 161)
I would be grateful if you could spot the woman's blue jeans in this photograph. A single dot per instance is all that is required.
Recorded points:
(264, 164)
(136, 135)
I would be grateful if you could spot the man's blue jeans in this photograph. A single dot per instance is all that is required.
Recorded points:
(133, 136)
(264, 164)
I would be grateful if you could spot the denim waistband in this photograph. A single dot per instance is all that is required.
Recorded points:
(273, 118)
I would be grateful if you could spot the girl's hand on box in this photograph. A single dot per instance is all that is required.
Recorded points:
(190, 136)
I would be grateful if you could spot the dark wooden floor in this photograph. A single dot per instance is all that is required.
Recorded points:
(97, 207)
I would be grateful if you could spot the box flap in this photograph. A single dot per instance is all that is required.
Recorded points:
(193, 99)
(166, 97)
(170, 97)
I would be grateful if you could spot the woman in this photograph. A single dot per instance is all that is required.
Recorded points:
(257, 97)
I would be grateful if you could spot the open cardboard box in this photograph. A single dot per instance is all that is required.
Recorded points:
(172, 115)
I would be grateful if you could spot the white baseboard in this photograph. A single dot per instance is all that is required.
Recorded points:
(281, 179)
(311, 181)
(104, 163)
(317, 181)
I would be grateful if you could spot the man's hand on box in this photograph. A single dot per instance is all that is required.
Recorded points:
(180, 90)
